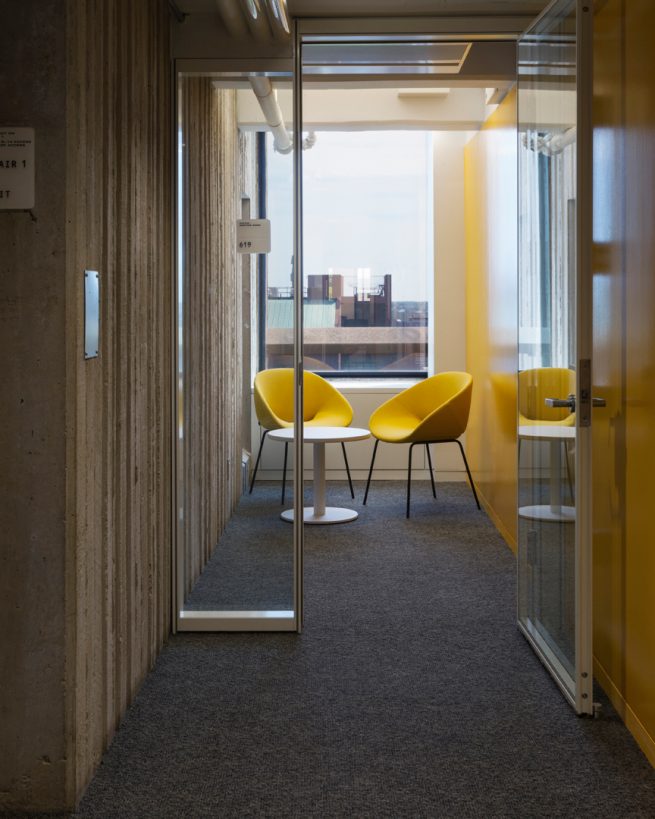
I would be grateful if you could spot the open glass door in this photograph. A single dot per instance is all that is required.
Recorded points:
(554, 365)
(238, 565)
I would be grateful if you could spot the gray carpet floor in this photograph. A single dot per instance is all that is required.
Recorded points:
(252, 565)
(410, 693)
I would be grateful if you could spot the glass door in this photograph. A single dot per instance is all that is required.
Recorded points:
(554, 364)
(238, 565)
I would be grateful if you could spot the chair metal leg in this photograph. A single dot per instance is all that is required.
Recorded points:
(468, 472)
(409, 478)
(259, 455)
(345, 458)
(370, 471)
(434, 490)
(284, 472)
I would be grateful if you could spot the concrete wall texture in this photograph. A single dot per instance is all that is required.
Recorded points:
(85, 445)
(33, 675)
(220, 169)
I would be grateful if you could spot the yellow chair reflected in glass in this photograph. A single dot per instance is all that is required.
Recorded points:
(434, 411)
(537, 384)
(324, 406)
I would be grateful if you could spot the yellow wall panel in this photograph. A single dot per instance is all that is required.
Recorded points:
(491, 266)
(624, 361)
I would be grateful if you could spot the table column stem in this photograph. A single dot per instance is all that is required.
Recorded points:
(319, 479)
(556, 477)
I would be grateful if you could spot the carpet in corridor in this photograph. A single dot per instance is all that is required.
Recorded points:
(410, 693)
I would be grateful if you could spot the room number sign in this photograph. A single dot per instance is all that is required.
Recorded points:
(16, 168)
(253, 236)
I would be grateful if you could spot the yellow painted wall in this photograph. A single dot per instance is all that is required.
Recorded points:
(490, 167)
(624, 361)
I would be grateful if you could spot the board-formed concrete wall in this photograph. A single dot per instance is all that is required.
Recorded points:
(119, 404)
(220, 169)
(35, 733)
(85, 503)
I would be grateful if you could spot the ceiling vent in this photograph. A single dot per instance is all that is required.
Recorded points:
(415, 58)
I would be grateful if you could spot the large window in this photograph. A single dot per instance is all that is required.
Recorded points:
(368, 259)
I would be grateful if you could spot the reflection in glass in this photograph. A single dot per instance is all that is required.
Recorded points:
(547, 343)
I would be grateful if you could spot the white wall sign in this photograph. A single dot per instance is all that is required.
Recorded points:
(253, 236)
(16, 168)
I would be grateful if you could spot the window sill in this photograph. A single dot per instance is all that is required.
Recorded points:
(373, 385)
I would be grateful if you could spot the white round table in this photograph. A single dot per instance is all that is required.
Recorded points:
(555, 435)
(319, 436)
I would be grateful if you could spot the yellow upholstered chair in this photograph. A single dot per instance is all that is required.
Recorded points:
(434, 411)
(537, 384)
(323, 406)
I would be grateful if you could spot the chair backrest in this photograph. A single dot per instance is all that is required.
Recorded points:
(439, 406)
(442, 402)
(273, 390)
(537, 384)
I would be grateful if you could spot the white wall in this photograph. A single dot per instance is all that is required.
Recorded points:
(356, 108)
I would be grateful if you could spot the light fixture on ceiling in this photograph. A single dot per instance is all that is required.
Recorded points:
(385, 58)
(422, 93)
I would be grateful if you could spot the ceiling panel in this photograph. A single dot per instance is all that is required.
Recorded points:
(411, 8)
(390, 8)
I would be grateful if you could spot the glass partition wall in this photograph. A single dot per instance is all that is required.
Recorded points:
(236, 565)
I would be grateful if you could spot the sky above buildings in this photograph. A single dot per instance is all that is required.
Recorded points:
(367, 209)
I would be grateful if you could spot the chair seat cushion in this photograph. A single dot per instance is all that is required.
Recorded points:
(396, 429)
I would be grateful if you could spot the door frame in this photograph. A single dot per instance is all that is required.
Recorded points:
(223, 620)
(408, 29)
(582, 698)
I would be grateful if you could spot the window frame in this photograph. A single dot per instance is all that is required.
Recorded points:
(262, 293)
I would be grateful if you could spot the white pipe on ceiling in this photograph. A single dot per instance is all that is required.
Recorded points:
(233, 18)
(278, 18)
(256, 17)
(267, 97)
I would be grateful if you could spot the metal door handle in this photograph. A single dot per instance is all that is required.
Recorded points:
(562, 402)
(570, 402)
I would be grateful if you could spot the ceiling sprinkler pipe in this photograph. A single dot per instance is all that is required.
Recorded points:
(265, 93)
(256, 18)
(278, 18)
(309, 141)
(233, 19)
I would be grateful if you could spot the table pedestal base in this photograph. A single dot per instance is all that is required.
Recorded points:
(557, 514)
(332, 514)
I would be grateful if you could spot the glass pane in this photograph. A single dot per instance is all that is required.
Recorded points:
(368, 263)
(547, 355)
(235, 554)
